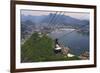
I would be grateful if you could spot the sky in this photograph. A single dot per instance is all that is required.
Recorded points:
(77, 15)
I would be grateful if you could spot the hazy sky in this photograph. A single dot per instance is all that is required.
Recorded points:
(78, 15)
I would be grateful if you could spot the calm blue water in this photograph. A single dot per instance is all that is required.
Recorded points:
(77, 42)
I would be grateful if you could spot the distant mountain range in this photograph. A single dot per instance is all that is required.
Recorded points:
(53, 19)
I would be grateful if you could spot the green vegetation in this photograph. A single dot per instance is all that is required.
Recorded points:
(37, 49)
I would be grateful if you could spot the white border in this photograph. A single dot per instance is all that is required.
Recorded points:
(58, 63)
